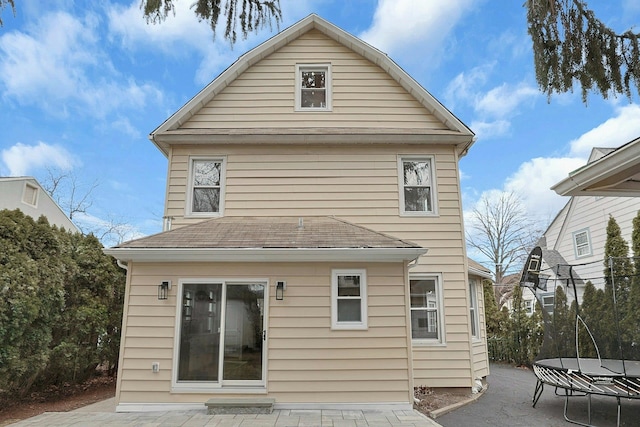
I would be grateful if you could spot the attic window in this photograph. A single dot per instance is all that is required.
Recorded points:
(313, 87)
(30, 194)
(582, 243)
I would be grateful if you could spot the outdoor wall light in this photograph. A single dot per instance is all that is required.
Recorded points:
(163, 289)
(280, 287)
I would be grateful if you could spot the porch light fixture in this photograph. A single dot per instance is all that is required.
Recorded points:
(163, 289)
(280, 287)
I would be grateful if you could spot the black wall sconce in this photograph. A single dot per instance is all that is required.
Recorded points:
(280, 287)
(163, 289)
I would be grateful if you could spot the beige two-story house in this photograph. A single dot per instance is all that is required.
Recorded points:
(314, 251)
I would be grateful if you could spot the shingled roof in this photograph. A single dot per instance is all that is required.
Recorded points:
(308, 238)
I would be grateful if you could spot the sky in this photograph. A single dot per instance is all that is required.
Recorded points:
(83, 83)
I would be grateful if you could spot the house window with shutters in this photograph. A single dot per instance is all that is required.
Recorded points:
(582, 243)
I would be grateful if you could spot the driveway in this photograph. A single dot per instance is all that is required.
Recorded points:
(507, 402)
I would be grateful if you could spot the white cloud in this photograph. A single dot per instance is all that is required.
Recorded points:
(502, 100)
(179, 29)
(614, 132)
(179, 35)
(21, 159)
(493, 109)
(490, 129)
(417, 29)
(533, 179)
(464, 86)
(60, 65)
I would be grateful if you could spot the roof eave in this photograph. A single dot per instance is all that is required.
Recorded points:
(587, 180)
(480, 273)
(265, 254)
(312, 21)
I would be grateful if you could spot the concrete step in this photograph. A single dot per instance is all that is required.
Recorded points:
(225, 405)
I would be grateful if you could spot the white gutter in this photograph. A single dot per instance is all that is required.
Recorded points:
(481, 273)
(580, 181)
(265, 254)
(122, 265)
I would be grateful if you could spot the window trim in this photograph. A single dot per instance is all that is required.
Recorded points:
(35, 191)
(588, 244)
(221, 386)
(328, 87)
(434, 186)
(473, 309)
(441, 340)
(189, 196)
(335, 324)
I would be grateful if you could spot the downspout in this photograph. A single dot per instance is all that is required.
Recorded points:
(122, 265)
(407, 304)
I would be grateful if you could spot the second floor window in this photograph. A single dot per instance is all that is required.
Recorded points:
(417, 189)
(582, 243)
(206, 186)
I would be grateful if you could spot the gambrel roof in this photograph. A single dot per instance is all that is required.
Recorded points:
(453, 130)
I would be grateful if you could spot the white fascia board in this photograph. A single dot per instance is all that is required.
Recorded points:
(286, 36)
(264, 255)
(579, 181)
(480, 273)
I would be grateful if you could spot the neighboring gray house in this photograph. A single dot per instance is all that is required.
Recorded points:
(26, 194)
(577, 235)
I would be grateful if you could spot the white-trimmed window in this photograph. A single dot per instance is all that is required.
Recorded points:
(473, 309)
(30, 194)
(528, 306)
(548, 302)
(206, 187)
(313, 87)
(417, 186)
(348, 299)
(582, 243)
(426, 309)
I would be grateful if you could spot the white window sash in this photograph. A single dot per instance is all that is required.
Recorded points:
(355, 325)
(326, 68)
(191, 187)
(432, 185)
(438, 311)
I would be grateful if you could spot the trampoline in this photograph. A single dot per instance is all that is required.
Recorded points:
(586, 377)
(576, 355)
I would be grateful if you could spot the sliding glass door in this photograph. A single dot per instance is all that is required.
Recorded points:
(222, 333)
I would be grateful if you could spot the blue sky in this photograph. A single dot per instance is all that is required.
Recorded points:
(83, 83)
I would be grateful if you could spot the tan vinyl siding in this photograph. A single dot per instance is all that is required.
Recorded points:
(357, 183)
(363, 95)
(479, 347)
(307, 360)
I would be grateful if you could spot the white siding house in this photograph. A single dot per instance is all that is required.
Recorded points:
(26, 193)
(577, 235)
